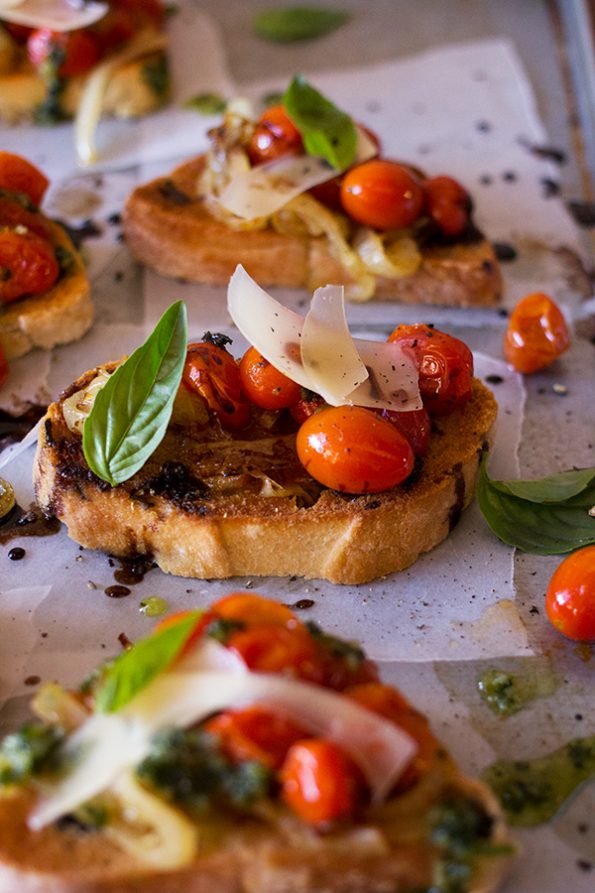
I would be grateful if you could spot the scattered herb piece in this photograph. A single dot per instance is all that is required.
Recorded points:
(131, 412)
(275, 97)
(298, 23)
(132, 671)
(327, 131)
(26, 752)
(206, 104)
(548, 516)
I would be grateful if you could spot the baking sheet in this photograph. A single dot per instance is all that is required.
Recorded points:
(425, 625)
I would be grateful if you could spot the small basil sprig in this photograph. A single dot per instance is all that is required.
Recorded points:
(327, 132)
(297, 23)
(548, 516)
(132, 671)
(131, 412)
(206, 104)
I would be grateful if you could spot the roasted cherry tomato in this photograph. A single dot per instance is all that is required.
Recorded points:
(382, 194)
(214, 374)
(329, 192)
(320, 782)
(350, 449)
(255, 733)
(279, 649)
(445, 366)
(253, 610)
(307, 405)
(570, 597)
(15, 212)
(19, 33)
(275, 135)
(3, 367)
(536, 334)
(28, 265)
(264, 384)
(19, 175)
(124, 18)
(448, 204)
(76, 52)
(415, 425)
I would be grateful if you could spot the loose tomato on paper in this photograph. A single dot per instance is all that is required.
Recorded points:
(275, 135)
(76, 52)
(445, 366)
(320, 782)
(570, 597)
(28, 265)
(382, 194)
(264, 385)
(19, 175)
(214, 374)
(353, 450)
(536, 334)
(448, 204)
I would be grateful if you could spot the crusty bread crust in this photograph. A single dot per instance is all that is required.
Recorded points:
(275, 855)
(168, 228)
(62, 314)
(344, 539)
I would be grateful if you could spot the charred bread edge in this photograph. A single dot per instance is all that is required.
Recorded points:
(62, 314)
(339, 539)
(168, 228)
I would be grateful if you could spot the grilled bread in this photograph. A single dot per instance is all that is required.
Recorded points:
(169, 228)
(211, 505)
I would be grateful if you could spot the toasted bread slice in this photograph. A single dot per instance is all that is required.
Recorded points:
(58, 316)
(168, 228)
(211, 506)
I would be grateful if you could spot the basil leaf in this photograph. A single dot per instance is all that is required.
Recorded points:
(555, 488)
(131, 412)
(327, 132)
(206, 104)
(129, 673)
(297, 23)
(542, 528)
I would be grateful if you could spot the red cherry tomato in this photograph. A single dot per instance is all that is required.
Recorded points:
(445, 366)
(3, 367)
(307, 405)
(382, 194)
(19, 175)
(28, 265)
(329, 192)
(415, 425)
(536, 334)
(255, 733)
(279, 649)
(78, 50)
(570, 597)
(214, 374)
(13, 213)
(352, 450)
(19, 33)
(448, 204)
(253, 610)
(275, 135)
(320, 783)
(264, 384)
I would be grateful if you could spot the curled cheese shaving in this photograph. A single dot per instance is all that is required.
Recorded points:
(89, 110)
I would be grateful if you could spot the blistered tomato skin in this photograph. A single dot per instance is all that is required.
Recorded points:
(448, 204)
(28, 265)
(264, 385)
(214, 374)
(445, 366)
(415, 425)
(275, 135)
(79, 50)
(19, 175)
(570, 597)
(536, 335)
(319, 782)
(353, 450)
(382, 194)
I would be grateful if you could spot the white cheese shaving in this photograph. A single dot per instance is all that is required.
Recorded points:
(108, 745)
(58, 15)
(264, 189)
(315, 352)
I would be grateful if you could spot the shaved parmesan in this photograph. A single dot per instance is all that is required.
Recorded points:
(108, 745)
(59, 15)
(319, 353)
(264, 189)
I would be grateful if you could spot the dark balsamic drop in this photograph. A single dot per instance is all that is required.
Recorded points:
(132, 570)
(117, 591)
(505, 252)
(33, 522)
(16, 554)
(303, 604)
(494, 379)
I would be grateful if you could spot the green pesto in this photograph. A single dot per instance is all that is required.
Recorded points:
(155, 73)
(31, 750)
(153, 606)
(532, 791)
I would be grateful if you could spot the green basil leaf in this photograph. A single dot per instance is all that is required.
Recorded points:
(298, 23)
(129, 673)
(555, 488)
(131, 412)
(327, 132)
(536, 527)
(206, 104)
